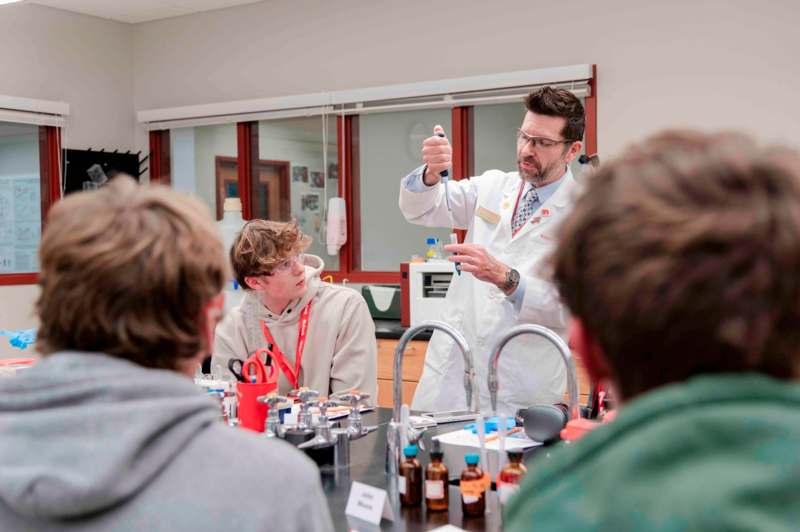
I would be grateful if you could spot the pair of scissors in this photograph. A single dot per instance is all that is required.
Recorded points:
(235, 367)
(253, 370)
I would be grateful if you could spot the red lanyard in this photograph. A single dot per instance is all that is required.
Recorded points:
(292, 374)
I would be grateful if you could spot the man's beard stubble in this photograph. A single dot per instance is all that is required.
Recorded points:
(541, 177)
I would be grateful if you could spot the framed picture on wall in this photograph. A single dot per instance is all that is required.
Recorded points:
(299, 174)
(333, 171)
(317, 179)
(309, 202)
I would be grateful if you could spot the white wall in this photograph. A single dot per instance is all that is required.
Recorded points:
(713, 64)
(85, 61)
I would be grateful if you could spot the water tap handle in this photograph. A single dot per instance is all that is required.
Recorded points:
(272, 400)
(272, 425)
(323, 436)
(354, 399)
(306, 397)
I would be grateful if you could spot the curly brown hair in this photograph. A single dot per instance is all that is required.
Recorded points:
(127, 270)
(682, 258)
(559, 102)
(263, 244)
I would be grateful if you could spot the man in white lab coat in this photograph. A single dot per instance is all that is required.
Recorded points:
(510, 218)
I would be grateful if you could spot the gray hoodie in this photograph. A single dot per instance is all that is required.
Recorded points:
(341, 351)
(92, 442)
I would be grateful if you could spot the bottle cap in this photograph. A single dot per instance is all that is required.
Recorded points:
(436, 452)
(430, 241)
(472, 459)
(410, 451)
(516, 454)
(232, 204)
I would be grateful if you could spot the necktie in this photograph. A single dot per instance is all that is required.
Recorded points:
(527, 206)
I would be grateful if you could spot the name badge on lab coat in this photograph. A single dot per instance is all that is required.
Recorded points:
(487, 216)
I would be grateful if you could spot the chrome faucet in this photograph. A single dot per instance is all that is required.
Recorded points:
(396, 428)
(323, 437)
(306, 397)
(272, 426)
(566, 355)
(354, 399)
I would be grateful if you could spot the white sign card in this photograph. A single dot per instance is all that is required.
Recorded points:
(368, 504)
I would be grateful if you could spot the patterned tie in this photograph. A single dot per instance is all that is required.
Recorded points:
(525, 209)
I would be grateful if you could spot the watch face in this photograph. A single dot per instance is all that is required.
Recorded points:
(512, 279)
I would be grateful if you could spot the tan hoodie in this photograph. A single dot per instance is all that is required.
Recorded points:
(340, 352)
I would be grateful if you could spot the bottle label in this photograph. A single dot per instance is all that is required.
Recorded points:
(401, 485)
(473, 488)
(505, 490)
(434, 489)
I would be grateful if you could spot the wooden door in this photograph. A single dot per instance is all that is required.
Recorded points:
(227, 181)
(270, 193)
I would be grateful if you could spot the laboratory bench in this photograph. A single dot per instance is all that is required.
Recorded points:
(368, 465)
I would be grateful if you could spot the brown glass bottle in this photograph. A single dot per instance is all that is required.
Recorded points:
(436, 493)
(473, 488)
(510, 476)
(410, 478)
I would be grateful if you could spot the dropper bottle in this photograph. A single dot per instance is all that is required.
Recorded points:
(436, 493)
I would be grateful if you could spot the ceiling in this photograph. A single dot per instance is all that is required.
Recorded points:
(134, 11)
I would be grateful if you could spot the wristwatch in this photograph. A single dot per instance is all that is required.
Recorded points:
(512, 281)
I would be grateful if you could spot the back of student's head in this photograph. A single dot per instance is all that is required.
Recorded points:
(682, 257)
(127, 270)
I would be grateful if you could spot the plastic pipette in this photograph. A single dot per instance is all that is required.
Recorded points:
(454, 240)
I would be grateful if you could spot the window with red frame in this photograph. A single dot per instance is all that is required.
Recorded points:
(29, 184)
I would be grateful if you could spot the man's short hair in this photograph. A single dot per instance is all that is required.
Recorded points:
(682, 257)
(263, 244)
(562, 103)
(127, 270)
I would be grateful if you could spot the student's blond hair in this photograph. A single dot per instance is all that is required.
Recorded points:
(263, 244)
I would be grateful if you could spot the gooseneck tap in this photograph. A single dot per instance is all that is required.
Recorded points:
(566, 356)
(396, 429)
(561, 346)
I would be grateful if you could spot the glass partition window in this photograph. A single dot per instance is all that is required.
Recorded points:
(390, 146)
(203, 163)
(297, 175)
(495, 137)
(20, 198)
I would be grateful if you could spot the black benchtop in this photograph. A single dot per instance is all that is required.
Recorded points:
(392, 330)
(367, 465)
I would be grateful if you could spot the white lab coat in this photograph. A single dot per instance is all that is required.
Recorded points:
(530, 369)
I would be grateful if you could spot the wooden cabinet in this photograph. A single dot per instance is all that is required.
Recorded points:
(584, 386)
(413, 360)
